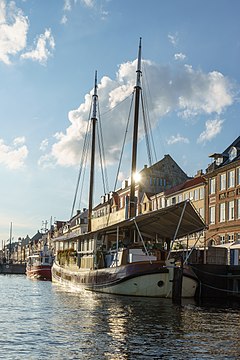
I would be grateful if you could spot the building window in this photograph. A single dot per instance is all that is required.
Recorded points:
(231, 182)
(191, 195)
(196, 194)
(201, 196)
(232, 153)
(238, 176)
(212, 186)
(180, 198)
(222, 239)
(173, 201)
(121, 202)
(230, 237)
(212, 215)
(186, 196)
(201, 212)
(231, 210)
(222, 182)
(238, 208)
(222, 212)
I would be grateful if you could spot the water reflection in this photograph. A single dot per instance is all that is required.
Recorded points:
(40, 320)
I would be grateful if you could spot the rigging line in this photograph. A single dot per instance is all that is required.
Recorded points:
(81, 163)
(140, 235)
(103, 151)
(84, 171)
(161, 142)
(101, 160)
(148, 136)
(146, 133)
(114, 107)
(145, 80)
(150, 128)
(124, 141)
(123, 145)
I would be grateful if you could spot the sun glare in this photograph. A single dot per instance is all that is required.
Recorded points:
(137, 177)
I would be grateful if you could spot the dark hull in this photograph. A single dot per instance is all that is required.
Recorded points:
(13, 269)
(41, 272)
(217, 281)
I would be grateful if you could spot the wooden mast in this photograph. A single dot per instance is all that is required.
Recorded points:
(132, 202)
(92, 166)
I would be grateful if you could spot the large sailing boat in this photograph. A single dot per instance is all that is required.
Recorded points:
(123, 256)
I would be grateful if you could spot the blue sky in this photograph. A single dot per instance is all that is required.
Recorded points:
(49, 51)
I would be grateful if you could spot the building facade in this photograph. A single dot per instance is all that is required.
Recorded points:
(223, 196)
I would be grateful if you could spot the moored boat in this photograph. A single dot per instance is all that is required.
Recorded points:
(39, 265)
(123, 256)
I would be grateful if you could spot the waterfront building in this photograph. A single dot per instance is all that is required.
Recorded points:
(192, 189)
(114, 207)
(223, 196)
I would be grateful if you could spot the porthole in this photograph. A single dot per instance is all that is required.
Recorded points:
(160, 283)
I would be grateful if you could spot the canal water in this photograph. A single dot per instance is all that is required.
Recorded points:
(40, 320)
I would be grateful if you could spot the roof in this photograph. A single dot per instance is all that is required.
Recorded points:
(225, 156)
(163, 222)
(235, 245)
(186, 185)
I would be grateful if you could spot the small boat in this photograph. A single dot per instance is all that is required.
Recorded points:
(123, 257)
(39, 265)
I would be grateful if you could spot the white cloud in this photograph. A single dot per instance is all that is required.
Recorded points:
(88, 3)
(44, 145)
(13, 30)
(13, 156)
(46, 161)
(96, 7)
(185, 91)
(203, 93)
(179, 56)
(177, 139)
(64, 19)
(67, 5)
(44, 46)
(19, 141)
(213, 128)
(173, 38)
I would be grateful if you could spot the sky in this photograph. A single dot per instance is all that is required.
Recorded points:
(49, 52)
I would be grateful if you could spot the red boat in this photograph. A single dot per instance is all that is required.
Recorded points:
(39, 266)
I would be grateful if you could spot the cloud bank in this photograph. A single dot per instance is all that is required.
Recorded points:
(14, 27)
(187, 92)
(44, 45)
(13, 156)
(13, 31)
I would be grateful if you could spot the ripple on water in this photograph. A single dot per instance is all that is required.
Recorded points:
(39, 320)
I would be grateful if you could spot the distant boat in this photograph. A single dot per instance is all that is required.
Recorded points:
(39, 265)
(123, 258)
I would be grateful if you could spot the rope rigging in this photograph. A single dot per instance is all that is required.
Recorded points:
(102, 155)
(83, 161)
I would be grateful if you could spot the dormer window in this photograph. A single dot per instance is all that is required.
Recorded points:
(232, 153)
(219, 160)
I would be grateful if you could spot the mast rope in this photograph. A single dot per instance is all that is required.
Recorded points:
(82, 161)
(122, 150)
(124, 141)
(102, 154)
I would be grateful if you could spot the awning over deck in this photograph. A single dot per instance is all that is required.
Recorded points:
(174, 221)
